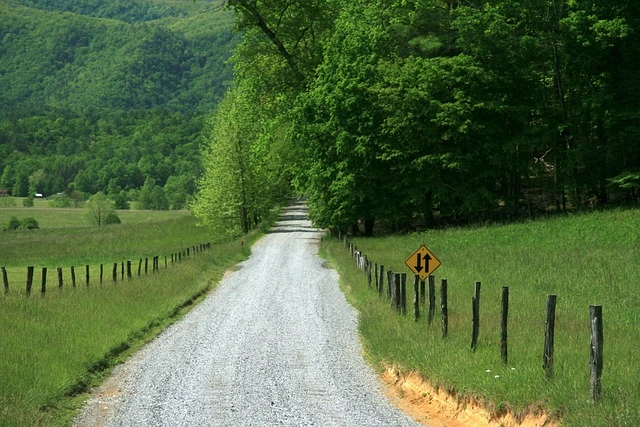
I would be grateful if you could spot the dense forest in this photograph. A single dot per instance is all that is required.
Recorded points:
(105, 96)
(412, 113)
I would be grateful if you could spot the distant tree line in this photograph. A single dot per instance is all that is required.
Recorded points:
(112, 105)
(408, 113)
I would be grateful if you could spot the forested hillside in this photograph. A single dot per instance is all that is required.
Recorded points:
(103, 96)
(421, 112)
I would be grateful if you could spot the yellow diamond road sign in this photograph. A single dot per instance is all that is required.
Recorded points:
(422, 262)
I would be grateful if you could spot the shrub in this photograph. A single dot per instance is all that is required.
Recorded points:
(28, 202)
(112, 218)
(7, 202)
(14, 223)
(30, 224)
(60, 201)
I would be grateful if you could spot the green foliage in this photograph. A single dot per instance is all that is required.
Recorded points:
(112, 218)
(27, 202)
(29, 223)
(14, 223)
(60, 200)
(90, 104)
(7, 201)
(99, 208)
(242, 179)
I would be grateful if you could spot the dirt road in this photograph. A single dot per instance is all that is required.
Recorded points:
(275, 344)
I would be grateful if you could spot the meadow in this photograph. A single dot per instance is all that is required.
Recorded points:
(55, 347)
(584, 259)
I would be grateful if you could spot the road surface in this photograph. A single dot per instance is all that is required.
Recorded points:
(275, 344)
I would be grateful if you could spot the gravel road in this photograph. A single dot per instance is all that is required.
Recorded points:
(275, 344)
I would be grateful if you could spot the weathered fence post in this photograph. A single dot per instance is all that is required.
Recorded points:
(5, 280)
(86, 270)
(59, 270)
(475, 323)
(101, 272)
(29, 279)
(503, 325)
(423, 293)
(381, 284)
(390, 286)
(443, 308)
(43, 284)
(146, 265)
(139, 266)
(368, 270)
(375, 272)
(595, 356)
(73, 277)
(129, 269)
(416, 297)
(403, 294)
(432, 299)
(397, 292)
(115, 272)
(121, 270)
(547, 360)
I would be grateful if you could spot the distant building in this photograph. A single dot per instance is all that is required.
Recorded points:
(39, 195)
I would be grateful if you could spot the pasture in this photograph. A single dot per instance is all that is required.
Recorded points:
(54, 347)
(585, 259)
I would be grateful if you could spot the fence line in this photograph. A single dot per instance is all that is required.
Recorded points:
(155, 268)
(396, 295)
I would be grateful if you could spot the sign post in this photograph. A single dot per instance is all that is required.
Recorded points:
(423, 262)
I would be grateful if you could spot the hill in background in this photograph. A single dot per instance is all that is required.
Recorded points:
(103, 96)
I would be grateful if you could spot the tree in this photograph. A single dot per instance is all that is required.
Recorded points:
(242, 180)
(99, 208)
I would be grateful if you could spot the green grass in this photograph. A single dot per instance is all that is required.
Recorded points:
(589, 259)
(55, 347)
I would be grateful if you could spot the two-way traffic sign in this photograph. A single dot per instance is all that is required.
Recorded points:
(422, 262)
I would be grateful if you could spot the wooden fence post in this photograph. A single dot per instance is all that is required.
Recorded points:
(29, 279)
(59, 278)
(475, 324)
(595, 356)
(129, 269)
(5, 280)
(121, 270)
(375, 272)
(432, 299)
(73, 276)
(444, 308)
(503, 325)
(416, 297)
(390, 286)
(43, 284)
(86, 271)
(101, 272)
(547, 360)
(397, 292)
(381, 284)
(115, 272)
(423, 293)
(403, 294)
(146, 265)
(139, 267)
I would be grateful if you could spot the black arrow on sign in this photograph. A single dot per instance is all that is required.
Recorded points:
(427, 258)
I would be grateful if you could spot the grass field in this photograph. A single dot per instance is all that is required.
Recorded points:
(54, 347)
(589, 259)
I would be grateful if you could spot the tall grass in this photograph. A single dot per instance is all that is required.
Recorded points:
(590, 259)
(53, 347)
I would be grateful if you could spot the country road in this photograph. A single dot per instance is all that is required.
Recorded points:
(275, 344)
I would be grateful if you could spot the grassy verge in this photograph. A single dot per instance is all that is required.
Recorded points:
(590, 259)
(54, 348)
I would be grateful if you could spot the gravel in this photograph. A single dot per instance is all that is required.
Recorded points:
(275, 344)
